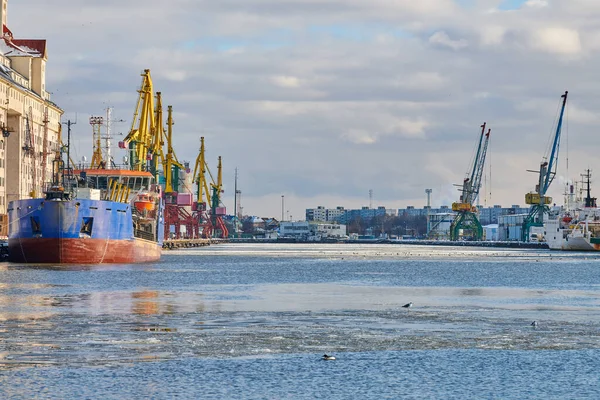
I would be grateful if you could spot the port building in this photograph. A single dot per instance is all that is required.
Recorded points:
(312, 231)
(29, 120)
(487, 215)
(343, 215)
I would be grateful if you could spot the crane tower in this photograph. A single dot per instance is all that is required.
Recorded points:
(537, 199)
(466, 224)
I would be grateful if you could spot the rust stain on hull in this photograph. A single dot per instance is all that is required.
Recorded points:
(82, 251)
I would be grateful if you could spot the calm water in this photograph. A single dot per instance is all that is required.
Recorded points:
(251, 322)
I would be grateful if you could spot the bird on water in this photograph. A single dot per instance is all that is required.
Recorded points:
(407, 305)
(534, 324)
(328, 358)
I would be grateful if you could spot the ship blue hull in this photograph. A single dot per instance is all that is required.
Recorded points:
(79, 231)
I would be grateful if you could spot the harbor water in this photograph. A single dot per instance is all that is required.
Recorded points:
(252, 321)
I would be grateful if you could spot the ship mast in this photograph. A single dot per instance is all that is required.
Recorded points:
(109, 160)
(589, 200)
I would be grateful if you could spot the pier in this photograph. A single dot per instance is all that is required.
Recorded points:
(186, 243)
(461, 243)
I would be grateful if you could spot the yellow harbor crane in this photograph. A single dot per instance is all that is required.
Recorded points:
(143, 125)
(209, 195)
(169, 162)
(200, 169)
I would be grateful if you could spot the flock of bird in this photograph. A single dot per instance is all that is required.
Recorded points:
(407, 306)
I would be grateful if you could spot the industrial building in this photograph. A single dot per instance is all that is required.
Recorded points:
(487, 215)
(29, 121)
(311, 231)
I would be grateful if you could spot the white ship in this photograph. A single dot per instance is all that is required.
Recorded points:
(577, 228)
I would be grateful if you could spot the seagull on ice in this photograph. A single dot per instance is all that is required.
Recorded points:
(407, 305)
(534, 324)
(327, 358)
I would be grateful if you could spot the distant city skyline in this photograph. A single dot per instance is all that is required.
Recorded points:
(322, 101)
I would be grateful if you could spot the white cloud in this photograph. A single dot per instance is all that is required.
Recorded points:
(561, 41)
(358, 136)
(411, 128)
(421, 80)
(286, 81)
(536, 3)
(176, 75)
(441, 38)
(492, 35)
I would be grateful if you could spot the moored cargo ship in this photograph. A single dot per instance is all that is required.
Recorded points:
(578, 228)
(89, 216)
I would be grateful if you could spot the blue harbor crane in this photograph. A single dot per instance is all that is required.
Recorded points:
(466, 221)
(538, 200)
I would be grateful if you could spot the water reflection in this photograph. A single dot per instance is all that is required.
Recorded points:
(145, 302)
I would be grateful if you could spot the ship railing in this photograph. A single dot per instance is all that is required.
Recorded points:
(84, 165)
(67, 186)
(144, 235)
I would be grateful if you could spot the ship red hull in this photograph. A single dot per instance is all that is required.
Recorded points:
(82, 251)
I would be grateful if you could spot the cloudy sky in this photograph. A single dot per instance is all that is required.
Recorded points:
(323, 100)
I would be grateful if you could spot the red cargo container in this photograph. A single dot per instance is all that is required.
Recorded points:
(221, 211)
(184, 199)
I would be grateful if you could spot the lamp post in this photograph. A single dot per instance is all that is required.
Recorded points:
(282, 206)
(428, 192)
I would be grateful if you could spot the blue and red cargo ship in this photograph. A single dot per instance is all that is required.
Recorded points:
(95, 216)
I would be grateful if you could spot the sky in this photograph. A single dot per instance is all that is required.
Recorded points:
(321, 101)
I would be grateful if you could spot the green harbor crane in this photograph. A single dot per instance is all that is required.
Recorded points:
(466, 224)
(537, 199)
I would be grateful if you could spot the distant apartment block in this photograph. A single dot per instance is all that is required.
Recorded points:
(343, 216)
(487, 215)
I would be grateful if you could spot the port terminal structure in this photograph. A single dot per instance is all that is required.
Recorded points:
(188, 222)
(537, 199)
(465, 224)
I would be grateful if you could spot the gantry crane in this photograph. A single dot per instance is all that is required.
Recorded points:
(170, 165)
(216, 211)
(466, 212)
(176, 215)
(143, 126)
(208, 197)
(200, 169)
(537, 199)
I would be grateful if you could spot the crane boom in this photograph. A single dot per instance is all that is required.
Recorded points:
(139, 138)
(203, 196)
(465, 222)
(171, 166)
(553, 160)
(477, 154)
(479, 168)
(538, 200)
(472, 183)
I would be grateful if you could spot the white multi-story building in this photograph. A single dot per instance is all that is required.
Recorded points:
(305, 230)
(29, 121)
(324, 214)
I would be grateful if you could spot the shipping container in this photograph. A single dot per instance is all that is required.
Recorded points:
(184, 199)
(221, 211)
